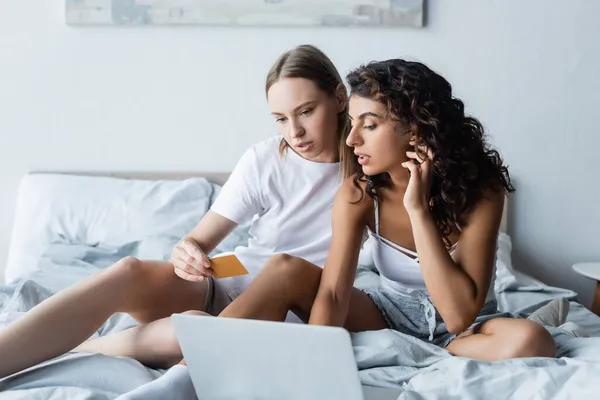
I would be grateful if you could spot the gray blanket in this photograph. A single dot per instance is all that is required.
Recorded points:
(385, 358)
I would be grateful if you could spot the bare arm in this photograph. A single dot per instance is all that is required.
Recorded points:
(458, 287)
(190, 255)
(211, 230)
(348, 225)
(239, 199)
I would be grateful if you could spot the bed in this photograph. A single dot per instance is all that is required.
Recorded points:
(68, 226)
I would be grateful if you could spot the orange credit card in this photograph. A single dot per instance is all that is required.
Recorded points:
(226, 266)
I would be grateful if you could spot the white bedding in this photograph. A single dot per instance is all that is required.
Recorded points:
(385, 358)
(70, 227)
(100, 211)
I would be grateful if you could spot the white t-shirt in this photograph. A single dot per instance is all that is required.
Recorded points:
(287, 198)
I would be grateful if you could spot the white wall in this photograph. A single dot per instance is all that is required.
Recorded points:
(170, 98)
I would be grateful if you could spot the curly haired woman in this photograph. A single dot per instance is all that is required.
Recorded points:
(429, 190)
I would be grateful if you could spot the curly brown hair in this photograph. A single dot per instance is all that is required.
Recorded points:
(464, 164)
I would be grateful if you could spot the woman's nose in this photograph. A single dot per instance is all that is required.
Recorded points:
(297, 130)
(352, 139)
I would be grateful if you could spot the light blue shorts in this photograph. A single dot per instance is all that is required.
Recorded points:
(416, 315)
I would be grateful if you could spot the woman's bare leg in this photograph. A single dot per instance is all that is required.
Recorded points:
(503, 338)
(148, 290)
(153, 344)
(285, 283)
(291, 283)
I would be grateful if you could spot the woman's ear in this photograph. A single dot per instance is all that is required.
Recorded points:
(412, 136)
(341, 97)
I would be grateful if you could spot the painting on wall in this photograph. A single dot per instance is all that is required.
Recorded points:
(360, 13)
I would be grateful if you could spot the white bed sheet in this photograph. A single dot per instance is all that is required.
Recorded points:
(77, 238)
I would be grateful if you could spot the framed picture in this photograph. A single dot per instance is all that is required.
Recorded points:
(359, 13)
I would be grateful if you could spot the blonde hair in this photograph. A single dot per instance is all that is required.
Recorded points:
(308, 62)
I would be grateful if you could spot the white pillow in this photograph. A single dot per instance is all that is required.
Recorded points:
(504, 268)
(507, 277)
(108, 212)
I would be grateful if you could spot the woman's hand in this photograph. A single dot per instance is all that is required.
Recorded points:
(416, 198)
(190, 262)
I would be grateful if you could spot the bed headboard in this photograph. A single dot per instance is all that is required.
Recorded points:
(216, 177)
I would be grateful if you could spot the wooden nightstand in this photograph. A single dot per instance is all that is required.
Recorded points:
(591, 270)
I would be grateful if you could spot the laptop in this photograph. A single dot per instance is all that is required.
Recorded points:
(248, 359)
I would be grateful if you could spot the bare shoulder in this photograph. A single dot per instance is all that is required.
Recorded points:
(489, 209)
(352, 198)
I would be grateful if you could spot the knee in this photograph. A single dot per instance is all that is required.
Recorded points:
(126, 266)
(125, 270)
(196, 312)
(284, 266)
(287, 273)
(531, 340)
(283, 263)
